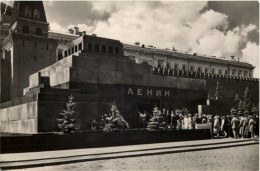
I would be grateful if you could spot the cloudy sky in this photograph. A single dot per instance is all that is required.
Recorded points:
(212, 28)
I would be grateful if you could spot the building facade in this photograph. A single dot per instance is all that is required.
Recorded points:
(189, 62)
(26, 49)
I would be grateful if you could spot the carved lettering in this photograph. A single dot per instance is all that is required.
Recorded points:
(167, 93)
(139, 92)
(149, 92)
(130, 92)
(158, 93)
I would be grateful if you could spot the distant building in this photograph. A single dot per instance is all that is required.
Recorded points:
(185, 61)
(26, 49)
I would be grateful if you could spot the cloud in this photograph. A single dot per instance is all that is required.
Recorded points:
(56, 27)
(188, 26)
(251, 54)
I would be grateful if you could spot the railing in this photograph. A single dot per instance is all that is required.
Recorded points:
(197, 74)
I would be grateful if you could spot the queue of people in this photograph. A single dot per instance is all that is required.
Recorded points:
(176, 119)
(246, 126)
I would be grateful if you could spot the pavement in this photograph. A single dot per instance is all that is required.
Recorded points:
(48, 158)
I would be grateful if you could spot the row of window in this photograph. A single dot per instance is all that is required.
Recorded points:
(26, 30)
(28, 13)
(72, 50)
(206, 70)
(102, 48)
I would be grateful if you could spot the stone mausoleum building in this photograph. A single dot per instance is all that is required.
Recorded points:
(40, 68)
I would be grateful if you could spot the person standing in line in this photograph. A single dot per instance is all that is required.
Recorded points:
(179, 121)
(252, 127)
(241, 127)
(256, 125)
(185, 124)
(216, 125)
(224, 126)
(246, 127)
(235, 123)
(229, 126)
(190, 122)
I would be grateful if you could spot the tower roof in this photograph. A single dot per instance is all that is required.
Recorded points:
(20, 6)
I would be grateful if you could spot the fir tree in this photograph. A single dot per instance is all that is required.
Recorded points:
(233, 111)
(247, 100)
(218, 91)
(157, 121)
(237, 99)
(66, 122)
(115, 121)
(255, 110)
(240, 108)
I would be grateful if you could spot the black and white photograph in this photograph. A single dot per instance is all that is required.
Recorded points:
(129, 85)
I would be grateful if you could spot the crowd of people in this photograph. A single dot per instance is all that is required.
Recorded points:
(236, 126)
(245, 126)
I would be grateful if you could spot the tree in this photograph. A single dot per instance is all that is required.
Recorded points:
(233, 111)
(240, 108)
(237, 99)
(115, 121)
(158, 121)
(66, 122)
(218, 91)
(247, 100)
(255, 110)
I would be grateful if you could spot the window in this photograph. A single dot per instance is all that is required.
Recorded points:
(160, 63)
(47, 47)
(239, 73)
(110, 50)
(184, 67)
(65, 53)
(250, 75)
(245, 74)
(90, 47)
(80, 46)
(72, 50)
(199, 69)
(117, 50)
(76, 48)
(168, 65)
(191, 68)
(213, 70)
(226, 72)
(69, 52)
(220, 71)
(36, 14)
(104, 49)
(26, 30)
(38, 32)
(206, 70)
(27, 12)
(233, 72)
(59, 56)
(176, 66)
(96, 47)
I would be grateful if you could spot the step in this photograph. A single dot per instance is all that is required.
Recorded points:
(25, 160)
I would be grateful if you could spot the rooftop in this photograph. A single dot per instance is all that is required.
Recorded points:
(193, 56)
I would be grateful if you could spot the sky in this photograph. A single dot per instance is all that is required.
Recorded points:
(220, 29)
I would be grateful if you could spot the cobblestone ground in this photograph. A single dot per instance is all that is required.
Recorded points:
(234, 158)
